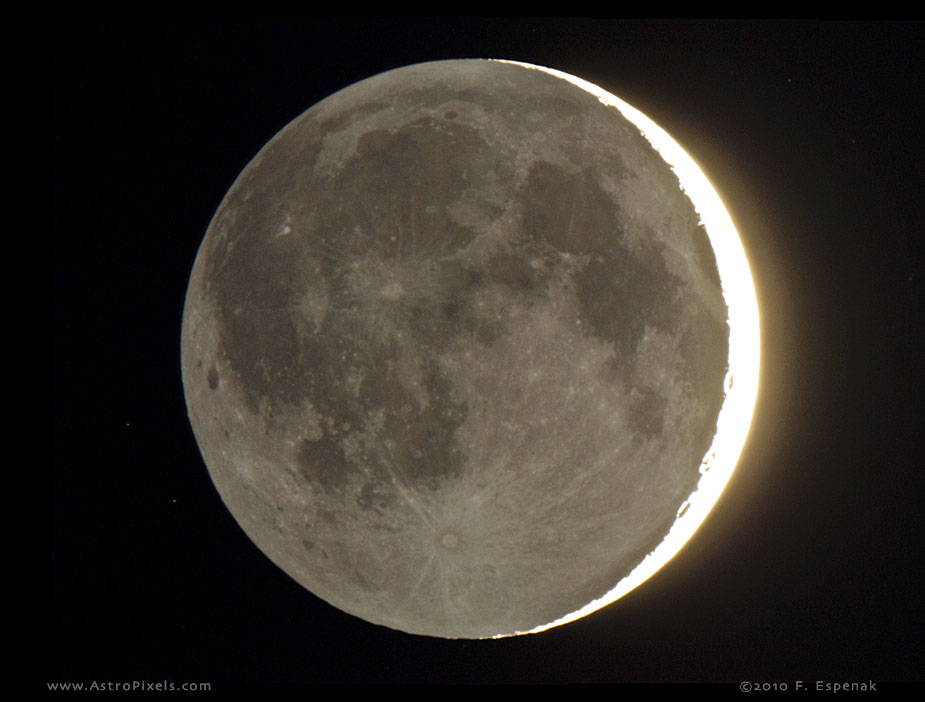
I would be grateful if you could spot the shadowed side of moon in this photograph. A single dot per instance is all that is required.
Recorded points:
(454, 347)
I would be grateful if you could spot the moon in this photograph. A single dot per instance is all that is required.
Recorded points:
(466, 352)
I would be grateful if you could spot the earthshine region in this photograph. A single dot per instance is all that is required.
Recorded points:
(470, 348)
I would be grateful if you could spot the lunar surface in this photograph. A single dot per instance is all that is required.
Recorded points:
(454, 349)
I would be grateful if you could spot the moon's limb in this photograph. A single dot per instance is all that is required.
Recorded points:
(454, 348)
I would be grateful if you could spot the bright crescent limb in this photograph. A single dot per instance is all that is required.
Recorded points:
(741, 383)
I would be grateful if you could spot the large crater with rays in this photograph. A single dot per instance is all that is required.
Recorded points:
(454, 348)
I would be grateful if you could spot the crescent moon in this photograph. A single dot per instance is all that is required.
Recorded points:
(470, 348)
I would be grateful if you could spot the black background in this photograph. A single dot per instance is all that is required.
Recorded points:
(809, 567)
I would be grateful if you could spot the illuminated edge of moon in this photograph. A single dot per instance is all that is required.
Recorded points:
(741, 382)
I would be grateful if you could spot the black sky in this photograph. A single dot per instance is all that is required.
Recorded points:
(809, 568)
